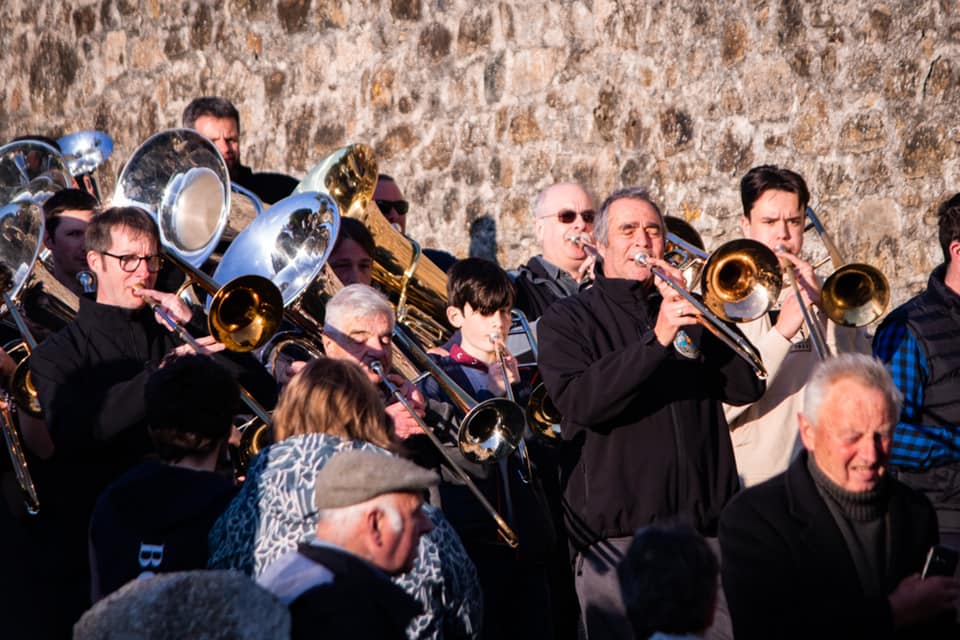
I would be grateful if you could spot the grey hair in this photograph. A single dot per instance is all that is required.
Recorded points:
(356, 301)
(864, 369)
(602, 222)
(345, 518)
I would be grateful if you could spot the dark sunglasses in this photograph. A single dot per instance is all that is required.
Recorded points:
(400, 206)
(567, 216)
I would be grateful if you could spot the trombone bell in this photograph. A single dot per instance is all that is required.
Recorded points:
(741, 280)
(245, 313)
(855, 295)
(491, 430)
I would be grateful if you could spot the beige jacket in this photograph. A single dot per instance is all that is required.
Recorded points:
(765, 434)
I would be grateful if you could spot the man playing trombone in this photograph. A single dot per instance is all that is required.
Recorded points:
(90, 378)
(764, 433)
(641, 416)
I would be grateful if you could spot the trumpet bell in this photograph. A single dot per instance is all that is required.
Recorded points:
(245, 313)
(491, 431)
(741, 280)
(22, 389)
(855, 295)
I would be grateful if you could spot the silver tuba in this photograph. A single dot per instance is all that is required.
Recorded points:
(180, 178)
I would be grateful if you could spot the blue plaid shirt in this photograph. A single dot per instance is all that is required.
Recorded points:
(915, 446)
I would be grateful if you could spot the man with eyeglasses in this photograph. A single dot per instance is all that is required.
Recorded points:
(394, 208)
(563, 224)
(91, 377)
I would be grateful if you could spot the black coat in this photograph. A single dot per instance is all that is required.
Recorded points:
(787, 571)
(359, 603)
(155, 518)
(646, 437)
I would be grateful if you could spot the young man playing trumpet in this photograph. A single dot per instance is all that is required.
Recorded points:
(764, 433)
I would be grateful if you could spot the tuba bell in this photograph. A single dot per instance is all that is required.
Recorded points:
(415, 285)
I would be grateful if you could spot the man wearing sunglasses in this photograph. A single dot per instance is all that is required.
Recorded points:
(394, 208)
(563, 222)
(91, 376)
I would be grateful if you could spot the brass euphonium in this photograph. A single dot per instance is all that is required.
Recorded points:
(415, 285)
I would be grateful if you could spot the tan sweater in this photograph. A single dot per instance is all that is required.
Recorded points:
(765, 434)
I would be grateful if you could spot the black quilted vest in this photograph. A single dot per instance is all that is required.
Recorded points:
(933, 317)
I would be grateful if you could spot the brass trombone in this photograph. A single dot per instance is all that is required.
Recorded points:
(855, 294)
(508, 534)
(180, 178)
(490, 430)
(740, 281)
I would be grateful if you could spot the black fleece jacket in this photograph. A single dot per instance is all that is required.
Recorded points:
(645, 436)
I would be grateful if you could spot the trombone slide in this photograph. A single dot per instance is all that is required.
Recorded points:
(509, 535)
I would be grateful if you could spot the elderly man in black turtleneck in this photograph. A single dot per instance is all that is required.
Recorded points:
(833, 546)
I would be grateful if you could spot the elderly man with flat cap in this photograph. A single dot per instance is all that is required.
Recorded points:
(370, 521)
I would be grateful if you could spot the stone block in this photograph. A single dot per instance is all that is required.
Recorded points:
(533, 70)
(439, 151)
(769, 91)
(733, 42)
(406, 9)
(524, 127)
(475, 31)
(397, 140)
(923, 151)
(863, 132)
(434, 42)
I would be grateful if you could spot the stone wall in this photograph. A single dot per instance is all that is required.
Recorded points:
(474, 107)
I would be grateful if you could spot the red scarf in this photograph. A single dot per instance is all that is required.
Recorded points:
(463, 358)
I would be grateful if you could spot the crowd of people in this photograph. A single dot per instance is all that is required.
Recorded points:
(687, 489)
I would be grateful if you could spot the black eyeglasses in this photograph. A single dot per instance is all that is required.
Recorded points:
(400, 206)
(567, 216)
(131, 262)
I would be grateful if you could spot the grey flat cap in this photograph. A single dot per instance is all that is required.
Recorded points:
(355, 476)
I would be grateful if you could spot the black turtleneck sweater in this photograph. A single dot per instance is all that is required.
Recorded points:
(862, 519)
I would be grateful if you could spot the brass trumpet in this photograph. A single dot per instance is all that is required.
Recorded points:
(501, 350)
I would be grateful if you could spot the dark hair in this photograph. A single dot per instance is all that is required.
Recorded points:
(66, 200)
(601, 225)
(385, 177)
(768, 177)
(948, 224)
(668, 579)
(355, 230)
(138, 221)
(481, 283)
(190, 405)
(213, 106)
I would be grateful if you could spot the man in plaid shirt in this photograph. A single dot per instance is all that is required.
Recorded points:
(920, 343)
